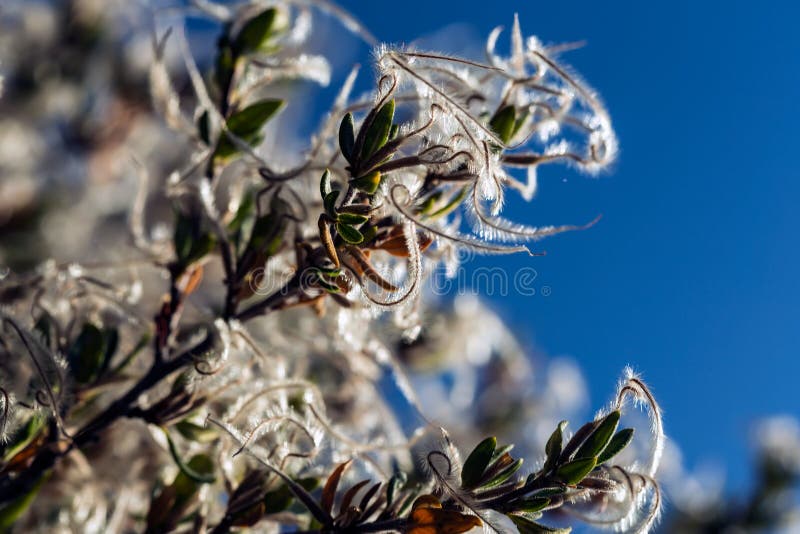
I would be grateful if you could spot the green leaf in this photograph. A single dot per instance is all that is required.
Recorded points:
(503, 475)
(598, 439)
(378, 132)
(368, 183)
(351, 218)
(23, 436)
(519, 122)
(203, 127)
(531, 505)
(246, 125)
(199, 469)
(87, 353)
(396, 483)
(183, 236)
(573, 472)
(13, 510)
(477, 461)
(244, 213)
(369, 232)
(330, 203)
(620, 440)
(267, 234)
(257, 32)
(528, 526)
(325, 184)
(204, 244)
(393, 132)
(553, 447)
(251, 119)
(193, 432)
(503, 123)
(349, 234)
(347, 137)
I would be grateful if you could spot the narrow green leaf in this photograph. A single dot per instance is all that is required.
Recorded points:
(201, 472)
(396, 483)
(368, 183)
(349, 234)
(519, 122)
(477, 461)
(503, 123)
(620, 440)
(378, 132)
(23, 436)
(531, 505)
(553, 447)
(503, 475)
(330, 203)
(86, 354)
(194, 432)
(246, 125)
(568, 452)
(351, 218)
(183, 236)
(325, 184)
(257, 32)
(201, 246)
(203, 127)
(598, 439)
(393, 132)
(12, 511)
(347, 136)
(243, 213)
(573, 472)
(529, 526)
(251, 119)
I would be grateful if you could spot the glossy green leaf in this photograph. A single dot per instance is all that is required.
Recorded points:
(553, 447)
(349, 234)
(246, 124)
(599, 438)
(257, 32)
(393, 132)
(368, 183)
(325, 184)
(330, 203)
(347, 136)
(378, 132)
(620, 440)
(477, 461)
(369, 232)
(351, 218)
(503, 123)
(573, 472)
(503, 475)
(87, 353)
(529, 526)
(568, 452)
(251, 119)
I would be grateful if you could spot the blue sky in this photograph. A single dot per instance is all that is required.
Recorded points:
(691, 276)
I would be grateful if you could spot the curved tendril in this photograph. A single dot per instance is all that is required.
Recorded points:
(467, 241)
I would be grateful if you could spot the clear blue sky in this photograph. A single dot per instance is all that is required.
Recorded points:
(691, 276)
